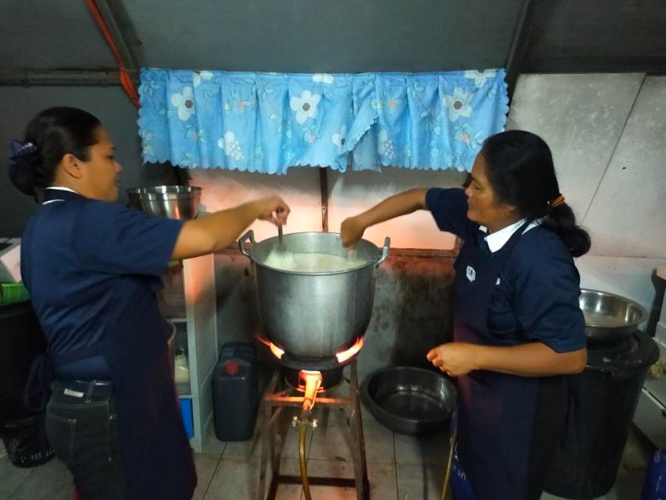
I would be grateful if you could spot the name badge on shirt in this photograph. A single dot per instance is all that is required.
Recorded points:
(471, 273)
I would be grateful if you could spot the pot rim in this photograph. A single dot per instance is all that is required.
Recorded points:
(164, 192)
(316, 273)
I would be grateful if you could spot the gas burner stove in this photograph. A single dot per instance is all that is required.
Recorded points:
(330, 367)
(281, 394)
(310, 363)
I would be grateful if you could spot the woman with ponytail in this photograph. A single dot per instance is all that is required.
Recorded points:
(92, 268)
(518, 328)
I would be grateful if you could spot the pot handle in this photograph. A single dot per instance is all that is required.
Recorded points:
(385, 251)
(249, 235)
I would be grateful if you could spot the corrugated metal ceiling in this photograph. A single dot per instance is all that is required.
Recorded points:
(338, 36)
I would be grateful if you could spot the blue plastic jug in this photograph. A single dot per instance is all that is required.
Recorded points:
(655, 479)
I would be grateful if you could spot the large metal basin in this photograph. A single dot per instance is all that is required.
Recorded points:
(410, 400)
(314, 314)
(173, 202)
(609, 317)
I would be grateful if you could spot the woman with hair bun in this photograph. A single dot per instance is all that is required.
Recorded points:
(518, 328)
(92, 268)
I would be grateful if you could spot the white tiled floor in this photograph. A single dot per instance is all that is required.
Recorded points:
(399, 467)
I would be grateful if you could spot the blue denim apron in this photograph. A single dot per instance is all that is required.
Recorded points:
(508, 425)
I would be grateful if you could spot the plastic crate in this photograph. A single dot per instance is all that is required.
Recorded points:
(26, 442)
(10, 293)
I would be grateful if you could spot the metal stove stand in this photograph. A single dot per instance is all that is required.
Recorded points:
(280, 395)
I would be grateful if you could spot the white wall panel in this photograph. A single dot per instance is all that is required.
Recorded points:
(299, 188)
(627, 215)
(581, 117)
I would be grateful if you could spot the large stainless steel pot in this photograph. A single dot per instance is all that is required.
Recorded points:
(314, 314)
(608, 317)
(174, 202)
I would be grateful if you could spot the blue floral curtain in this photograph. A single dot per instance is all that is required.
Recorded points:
(268, 122)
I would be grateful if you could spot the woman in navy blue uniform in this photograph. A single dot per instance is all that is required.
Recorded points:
(92, 268)
(518, 328)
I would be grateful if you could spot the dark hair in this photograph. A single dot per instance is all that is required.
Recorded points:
(50, 135)
(519, 167)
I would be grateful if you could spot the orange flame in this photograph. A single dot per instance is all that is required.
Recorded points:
(351, 352)
(342, 356)
(310, 382)
(277, 352)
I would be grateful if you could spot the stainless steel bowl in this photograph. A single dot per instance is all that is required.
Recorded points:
(609, 317)
(410, 400)
(173, 202)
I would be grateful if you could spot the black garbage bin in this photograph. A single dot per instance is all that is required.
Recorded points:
(587, 462)
(21, 341)
(235, 392)
(26, 441)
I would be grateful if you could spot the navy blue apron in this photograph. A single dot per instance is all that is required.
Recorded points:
(157, 457)
(508, 425)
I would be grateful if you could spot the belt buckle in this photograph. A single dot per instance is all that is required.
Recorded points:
(70, 392)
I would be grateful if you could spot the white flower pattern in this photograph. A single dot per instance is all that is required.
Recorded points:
(323, 78)
(340, 139)
(254, 117)
(198, 76)
(385, 146)
(231, 146)
(146, 138)
(305, 106)
(480, 77)
(184, 102)
(458, 104)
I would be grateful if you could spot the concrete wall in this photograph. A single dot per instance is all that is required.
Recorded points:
(110, 105)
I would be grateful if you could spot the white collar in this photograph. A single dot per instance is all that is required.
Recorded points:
(58, 188)
(62, 188)
(498, 239)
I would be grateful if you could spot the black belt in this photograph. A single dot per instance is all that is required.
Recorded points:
(85, 389)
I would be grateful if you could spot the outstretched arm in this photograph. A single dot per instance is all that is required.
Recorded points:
(218, 230)
(400, 204)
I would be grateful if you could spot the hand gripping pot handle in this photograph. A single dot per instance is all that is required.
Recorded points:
(249, 235)
(385, 251)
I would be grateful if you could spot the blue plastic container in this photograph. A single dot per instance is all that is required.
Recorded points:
(655, 479)
(186, 410)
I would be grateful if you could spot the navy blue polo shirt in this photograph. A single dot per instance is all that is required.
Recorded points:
(536, 297)
(92, 266)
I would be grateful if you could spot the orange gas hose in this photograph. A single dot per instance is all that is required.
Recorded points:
(123, 75)
(447, 475)
(304, 461)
